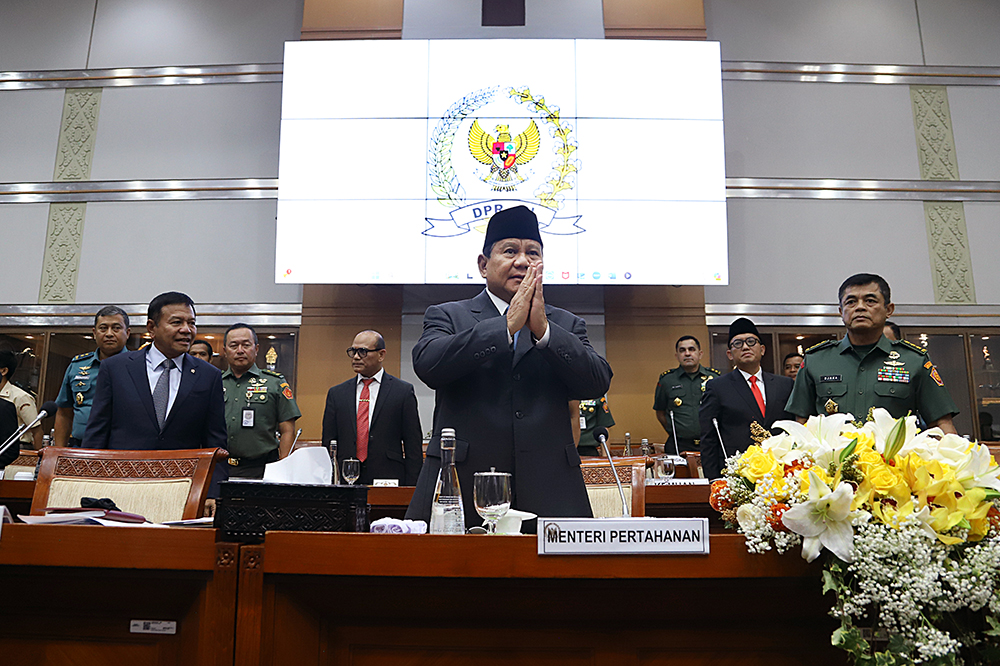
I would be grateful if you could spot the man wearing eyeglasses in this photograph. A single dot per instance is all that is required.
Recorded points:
(373, 416)
(737, 400)
(505, 366)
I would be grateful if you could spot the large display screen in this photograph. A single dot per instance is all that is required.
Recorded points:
(394, 154)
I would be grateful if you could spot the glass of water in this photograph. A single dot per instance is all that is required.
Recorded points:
(663, 467)
(352, 470)
(491, 491)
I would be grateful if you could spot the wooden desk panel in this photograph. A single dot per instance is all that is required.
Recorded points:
(78, 587)
(16, 495)
(406, 599)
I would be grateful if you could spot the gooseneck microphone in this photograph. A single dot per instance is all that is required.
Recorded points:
(48, 409)
(601, 434)
(715, 422)
(677, 444)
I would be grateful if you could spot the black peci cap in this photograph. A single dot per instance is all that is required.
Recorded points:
(741, 326)
(516, 222)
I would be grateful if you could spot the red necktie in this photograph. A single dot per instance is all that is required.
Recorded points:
(756, 394)
(363, 420)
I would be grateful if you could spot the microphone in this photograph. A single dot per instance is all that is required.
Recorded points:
(48, 409)
(601, 434)
(715, 422)
(677, 444)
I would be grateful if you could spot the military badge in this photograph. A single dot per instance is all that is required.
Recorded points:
(936, 377)
(79, 399)
(894, 354)
(893, 375)
(679, 402)
(830, 406)
(287, 393)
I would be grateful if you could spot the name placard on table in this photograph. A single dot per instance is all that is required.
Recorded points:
(622, 536)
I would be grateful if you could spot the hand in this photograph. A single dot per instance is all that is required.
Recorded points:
(538, 323)
(520, 305)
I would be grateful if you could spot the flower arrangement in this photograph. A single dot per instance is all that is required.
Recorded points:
(909, 520)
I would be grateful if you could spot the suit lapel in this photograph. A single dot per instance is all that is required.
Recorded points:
(482, 307)
(137, 370)
(383, 394)
(743, 388)
(189, 376)
(772, 405)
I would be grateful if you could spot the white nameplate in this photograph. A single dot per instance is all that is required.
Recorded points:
(389, 483)
(676, 482)
(153, 627)
(622, 536)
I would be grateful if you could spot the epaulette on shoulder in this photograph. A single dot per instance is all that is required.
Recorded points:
(665, 372)
(715, 371)
(272, 373)
(821, 345)
(907, 343)
(80, 357)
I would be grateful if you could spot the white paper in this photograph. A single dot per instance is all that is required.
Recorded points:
(309, 465)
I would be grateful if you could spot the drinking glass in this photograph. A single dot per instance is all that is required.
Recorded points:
(663, 467)
(491, 491)
(352, 470)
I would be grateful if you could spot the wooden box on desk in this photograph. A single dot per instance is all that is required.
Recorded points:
(244, 511)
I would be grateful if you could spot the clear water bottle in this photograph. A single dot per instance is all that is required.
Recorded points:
(627, 451)
(447, 510)
(645, 448)
(335, 477)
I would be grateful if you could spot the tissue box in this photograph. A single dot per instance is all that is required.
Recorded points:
(244, 511)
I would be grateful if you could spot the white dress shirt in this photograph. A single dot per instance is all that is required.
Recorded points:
(760, 382)
(154, 357)
(502, 306)
(372, 395)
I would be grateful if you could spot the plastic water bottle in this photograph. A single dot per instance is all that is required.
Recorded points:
(334, 474)
(447, 510)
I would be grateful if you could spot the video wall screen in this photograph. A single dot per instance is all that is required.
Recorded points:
(394, 154)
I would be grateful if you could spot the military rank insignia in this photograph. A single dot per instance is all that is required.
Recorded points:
(892, 374)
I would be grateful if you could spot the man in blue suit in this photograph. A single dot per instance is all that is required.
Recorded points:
(159, 397)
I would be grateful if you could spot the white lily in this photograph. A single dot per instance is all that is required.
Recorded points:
(782, 447)
(977, 468)
(821, 436)
(824, 520)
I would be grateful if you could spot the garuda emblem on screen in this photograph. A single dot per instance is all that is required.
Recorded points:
(501, 162)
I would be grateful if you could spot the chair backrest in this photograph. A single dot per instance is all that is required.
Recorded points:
(605, 501)
(160, 485)
(25, 462)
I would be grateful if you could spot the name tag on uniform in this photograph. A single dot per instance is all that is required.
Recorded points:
(831, 378)
(247, 418)
(583, 423)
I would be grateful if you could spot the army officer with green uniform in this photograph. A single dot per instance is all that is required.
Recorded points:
(679, 391)
(866, 369)
(259, 403)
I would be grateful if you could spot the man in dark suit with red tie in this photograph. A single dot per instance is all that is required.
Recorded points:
(736, 400)
(159, 397)
(373, 416)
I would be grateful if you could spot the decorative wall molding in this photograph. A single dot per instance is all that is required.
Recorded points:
(140, 190)
(209, 314)
(141, 76)
(935, 141)
(77, 134)
(825, 315)
(61, 262)
(834, 188)
(816, 72)
(951, 261)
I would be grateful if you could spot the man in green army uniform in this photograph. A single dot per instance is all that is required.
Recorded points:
(76, 393)
(259, 403)
(679, 392)
(593, 413)
(866, 369)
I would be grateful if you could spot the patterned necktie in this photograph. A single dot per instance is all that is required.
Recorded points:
(161, 393)
(757, 394)
(363, 420)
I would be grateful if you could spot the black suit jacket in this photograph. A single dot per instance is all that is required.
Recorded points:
(509, 407)
(395, 440)
(8, 426)
(729, 399)
(122, 415)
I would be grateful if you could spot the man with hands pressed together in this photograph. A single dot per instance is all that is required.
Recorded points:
(504, 366)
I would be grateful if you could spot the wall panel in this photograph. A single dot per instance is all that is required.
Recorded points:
(29, 132)
(215, 251)
(975, 124)
(960, 33)
(23, 227)
(214, 131)
(44, 34)
(982, 220)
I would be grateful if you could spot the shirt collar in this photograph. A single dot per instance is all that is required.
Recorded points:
(884, 343)
(252, 370)
(500, 304)
(154, 357)
(747, 375)
(377, 377)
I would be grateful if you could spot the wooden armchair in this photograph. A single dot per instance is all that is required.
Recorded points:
(160, 485)
(25, 462)
(604, 498)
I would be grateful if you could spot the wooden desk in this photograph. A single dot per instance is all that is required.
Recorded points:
(70, 593)
(16, 495)
(321, 598)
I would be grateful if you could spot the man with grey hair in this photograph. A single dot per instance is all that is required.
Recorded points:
(76, 394)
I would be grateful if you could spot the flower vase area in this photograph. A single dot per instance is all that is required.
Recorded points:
(905, 523)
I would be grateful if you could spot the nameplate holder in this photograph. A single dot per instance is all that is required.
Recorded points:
(152, 627)
(677, 482)
(386, 483)
(623, 536)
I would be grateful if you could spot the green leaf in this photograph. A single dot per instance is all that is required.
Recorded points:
(992, 494)
(848, 638)
(994, 629)
(849, 450)
(830, 582)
